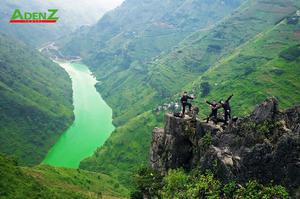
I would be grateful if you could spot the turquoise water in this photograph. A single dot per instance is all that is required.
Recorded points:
(92, 125)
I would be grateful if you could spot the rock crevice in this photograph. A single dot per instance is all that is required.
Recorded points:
(264, 146)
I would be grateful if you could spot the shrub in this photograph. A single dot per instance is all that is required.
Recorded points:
(175, 185)
(205, 89)
(204, 186)
(291, 54)
(255, 190)
(229, 189)
(206, 140)
(147, 181)
(178, 184)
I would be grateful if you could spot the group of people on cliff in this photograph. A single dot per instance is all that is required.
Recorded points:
(214, 106)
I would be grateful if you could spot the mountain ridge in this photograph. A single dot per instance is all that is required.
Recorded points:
(187, 60)
(33, 90)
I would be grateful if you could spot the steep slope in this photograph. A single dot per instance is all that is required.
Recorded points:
(266, 65)
(257, 25)
(200, 51)
(126, 150)
(121, 44)
(15, 184)
(48, 182)
(149, 83)
(35, 102)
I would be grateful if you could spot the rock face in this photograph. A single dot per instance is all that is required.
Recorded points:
(264, 146)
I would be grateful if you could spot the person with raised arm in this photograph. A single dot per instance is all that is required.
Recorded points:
(227, 109)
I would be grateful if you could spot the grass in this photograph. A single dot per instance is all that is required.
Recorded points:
(240, 55)
(256, 71)
(48, 182)
(35, 102)
(126, 150)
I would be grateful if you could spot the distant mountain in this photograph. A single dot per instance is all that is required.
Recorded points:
(32, 34)
(121, 45)
(252, 53)
(35, 102)
(267, 65)
(73, 14)
(238, 55)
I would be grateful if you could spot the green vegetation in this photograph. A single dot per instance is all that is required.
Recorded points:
(120, 48)
(126, 150)
(158, 78)
(206, 140)
(15, 184)
(258, 69)
(291, 54)
(205, 47)
(252, 52)
(180, 184)
(49, 182)
(78, 181)
(35, 102)
(146, 181)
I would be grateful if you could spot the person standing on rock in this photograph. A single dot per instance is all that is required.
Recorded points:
(185, 102)
(214, 110)
(227, 109)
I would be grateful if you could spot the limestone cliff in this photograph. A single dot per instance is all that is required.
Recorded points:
(263, 146)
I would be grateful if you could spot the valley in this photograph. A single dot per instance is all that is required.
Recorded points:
(80, 101)
(92, 125)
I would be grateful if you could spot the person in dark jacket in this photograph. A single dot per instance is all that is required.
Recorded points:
(214, 110)
(227, 109)
(185, 102)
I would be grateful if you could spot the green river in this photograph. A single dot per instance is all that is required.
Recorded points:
(92, 125)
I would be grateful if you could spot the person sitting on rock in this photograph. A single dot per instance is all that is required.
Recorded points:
(227, 109)
(185, 102)
(214, 111)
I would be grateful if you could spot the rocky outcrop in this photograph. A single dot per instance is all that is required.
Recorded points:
(264, 146)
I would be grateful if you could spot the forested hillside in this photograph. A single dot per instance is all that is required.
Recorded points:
(126, 150)
(267, 65)
(48, 182)
(35, 102)
(144, 54)
(252, 53)
(121, 45)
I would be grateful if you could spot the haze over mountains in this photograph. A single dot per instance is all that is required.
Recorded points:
(144, 54)
(120, 48)
(73, 14)
(36, 95)
(222, 49)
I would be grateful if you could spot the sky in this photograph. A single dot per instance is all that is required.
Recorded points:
(81, 11)
(101, 4)
(107, 4)
(88, 10)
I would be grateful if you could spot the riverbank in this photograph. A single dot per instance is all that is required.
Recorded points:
(52, 51)
(93, 120)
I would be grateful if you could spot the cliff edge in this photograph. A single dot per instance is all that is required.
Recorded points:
(264, 146)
